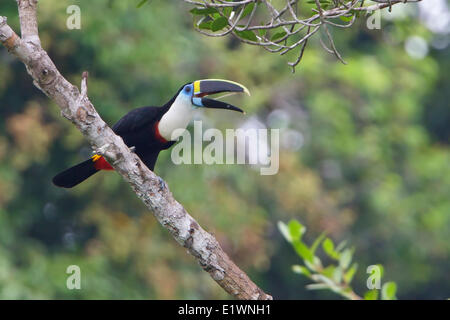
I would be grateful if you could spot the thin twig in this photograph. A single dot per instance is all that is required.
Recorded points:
(297, 29)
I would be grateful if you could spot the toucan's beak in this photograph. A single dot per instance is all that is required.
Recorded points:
(206, 87)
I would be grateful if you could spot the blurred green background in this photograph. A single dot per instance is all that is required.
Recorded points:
(365, 156)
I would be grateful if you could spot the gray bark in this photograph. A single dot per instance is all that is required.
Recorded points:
(151, 189)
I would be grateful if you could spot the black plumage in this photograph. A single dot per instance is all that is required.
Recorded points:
(137, 129)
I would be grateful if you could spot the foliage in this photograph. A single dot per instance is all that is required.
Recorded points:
(282, 26)
(336, 276)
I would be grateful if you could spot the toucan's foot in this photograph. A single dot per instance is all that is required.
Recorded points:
(101, 150)
(133, 149)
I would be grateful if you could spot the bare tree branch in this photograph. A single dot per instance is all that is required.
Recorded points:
(285, 29)
(28, 21)
(150, 188)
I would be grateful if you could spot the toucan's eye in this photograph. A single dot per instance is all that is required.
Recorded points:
(187, 89)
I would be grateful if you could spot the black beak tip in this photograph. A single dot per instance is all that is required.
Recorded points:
(214, 104)
(231, 107)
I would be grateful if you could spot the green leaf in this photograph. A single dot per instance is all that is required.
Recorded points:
(205, 25)
(328, 247)
(248, 9)
(346, 19)
(140, 4)
(317, 242)
(350, 273)
(345, 258)
(219, 24)
(303, 251)
(341, 246)
(315, 265)
(381, 269)
(247, 34)
(278, 35)
(337, 275)
(284, 230)
(203, 11)
(262, 32)
(371, 295)
(388, 291)
(296, 229)
(328, 271)
(227, 11)
(301, 270)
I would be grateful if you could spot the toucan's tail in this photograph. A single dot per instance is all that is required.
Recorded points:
(71, 177)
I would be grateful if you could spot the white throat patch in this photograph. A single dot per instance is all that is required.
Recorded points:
(177, 117)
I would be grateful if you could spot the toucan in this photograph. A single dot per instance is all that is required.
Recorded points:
(149, 130)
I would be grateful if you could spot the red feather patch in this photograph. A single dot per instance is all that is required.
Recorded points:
(158, 135)
(102, 164)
